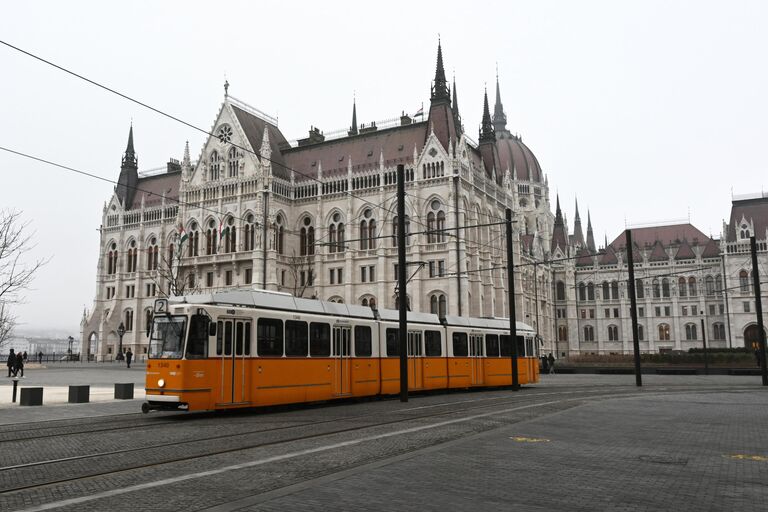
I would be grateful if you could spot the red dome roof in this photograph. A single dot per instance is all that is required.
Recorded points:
(514, 155)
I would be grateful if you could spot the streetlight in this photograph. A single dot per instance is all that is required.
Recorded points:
(71, 340)
(120, 332)
(704, 340)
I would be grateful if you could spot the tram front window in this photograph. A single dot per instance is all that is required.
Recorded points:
(167, 340)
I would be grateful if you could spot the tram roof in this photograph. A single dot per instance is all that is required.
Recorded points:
(485, 323)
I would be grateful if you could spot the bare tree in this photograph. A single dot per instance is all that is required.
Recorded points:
(302, 272)
(170, 276)
(15, 274)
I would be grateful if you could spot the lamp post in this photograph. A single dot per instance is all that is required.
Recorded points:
(704, 340)
(120, 332)
(71, 340)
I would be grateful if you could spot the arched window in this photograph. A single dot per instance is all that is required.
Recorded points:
(606, 290)
(655, 286)
(233, 162)
(407, 302)
(307, 237)
(438, 304)
(690, 332)
(147, 319)
(215, 166)
(640, 333)
(744, 281)
(681, 287)
(211, 238)
(433, 304)
(639, 290)
(152, 254)
(718, 284)
(132, 256)
(613, 333)
(560, 290)
(590, 291)
(562, 333)
(230, 236)
(336, 299)
(194, 240)
(249, 233)
(279, 233)
(368, 230)
(615, 290)
(709, 284)
(663, 332)
(128, 322)
(431, 235)
(435, 222)
(692, 286)
(718, 331)
(665, 287)
(407, 231)
(582, 291)
(368, 301)
(112, 260)
(336, 234)
(589, 333)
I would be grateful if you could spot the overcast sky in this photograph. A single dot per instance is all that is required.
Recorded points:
(647, 111)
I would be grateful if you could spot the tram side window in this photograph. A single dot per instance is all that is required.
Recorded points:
(506, 346)
(492, 345)
(433, 344)
(319, 340)
(243, 338)
(520, 346)
(460, 346)
(247, 338)
(529, 347)
(392, 344)
(363, 346)
(296, 340)
(269, 337)
(219, 337)
(228, 338)
(197, 345)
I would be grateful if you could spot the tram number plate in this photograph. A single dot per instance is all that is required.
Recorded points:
(164, 365)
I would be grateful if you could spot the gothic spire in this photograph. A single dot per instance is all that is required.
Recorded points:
(499, 117)
(590, 235)
(353, 128)
(130, 154)
(455, 105)
(578, 234)
(486, 128)
(129, 174)
(558, 212)
(440, 86)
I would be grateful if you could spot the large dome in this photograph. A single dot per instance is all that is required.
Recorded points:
(516, 156)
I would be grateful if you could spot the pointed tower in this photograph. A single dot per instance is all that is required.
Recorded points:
(186, 164)
(441, 118)
(488, 151)
(499, 117)
(486, 127)
(559, 237)
(455, 107)
(578, 234)
(353, 128)
(590, 235)
(129, 174)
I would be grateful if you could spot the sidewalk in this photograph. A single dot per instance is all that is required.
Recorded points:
(55, 379)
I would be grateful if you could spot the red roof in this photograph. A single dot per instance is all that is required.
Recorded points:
(685, 252)
(153, 188)
(754, 211)
(667, 235)
(514, 155)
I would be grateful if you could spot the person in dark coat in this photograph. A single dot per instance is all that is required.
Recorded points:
(11, 364)
(24, 356)
(551, 360)
(544, 364)
(20, 364)
(128, 357)
(40, 357)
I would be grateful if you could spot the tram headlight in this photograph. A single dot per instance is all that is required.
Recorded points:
(161, 383)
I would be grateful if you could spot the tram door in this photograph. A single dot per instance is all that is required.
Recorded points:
(415, 360)
(342, 352)
(233, 344)
(476, 359)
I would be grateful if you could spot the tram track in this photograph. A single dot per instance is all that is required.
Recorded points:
(33, 469)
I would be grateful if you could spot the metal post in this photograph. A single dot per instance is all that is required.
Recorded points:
(758, 309)
(511, 300)
(633, 308)
(120, 333)
(15, 385)
(704, 340)
(401, 280)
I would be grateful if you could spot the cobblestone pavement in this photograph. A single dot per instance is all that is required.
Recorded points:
(581, 442)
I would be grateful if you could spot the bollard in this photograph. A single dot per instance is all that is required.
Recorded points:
(79, 394)
(124, 391)
(15, 385)
(31, 396)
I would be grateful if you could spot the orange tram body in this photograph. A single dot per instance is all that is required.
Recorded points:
(248, 348)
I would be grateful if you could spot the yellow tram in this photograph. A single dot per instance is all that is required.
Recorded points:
(251, 348)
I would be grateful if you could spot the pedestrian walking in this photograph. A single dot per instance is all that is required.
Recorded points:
(24, 356)
(551, 360)
(11, 364)
(40, 357)
(20, 364)
(128, 357)
(544, 364)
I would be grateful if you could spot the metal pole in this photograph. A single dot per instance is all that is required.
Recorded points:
(458, 240)
(704, 340)
(758, 309)
(15, 385)
(401, 280)
(633, 308)
(511, 300)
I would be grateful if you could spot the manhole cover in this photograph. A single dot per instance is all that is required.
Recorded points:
(663, 459)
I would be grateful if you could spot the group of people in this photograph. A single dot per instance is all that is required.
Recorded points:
(548, 364)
